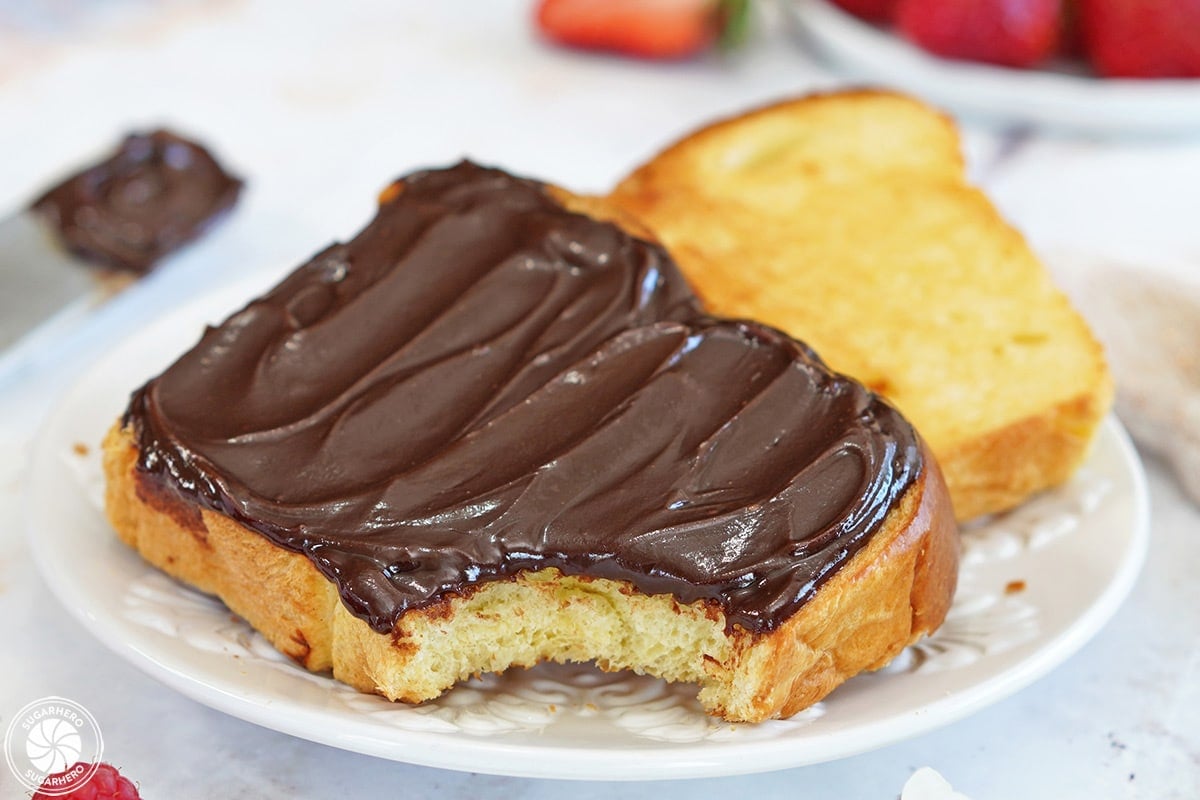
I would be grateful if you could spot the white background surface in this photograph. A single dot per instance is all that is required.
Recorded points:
(319, 106)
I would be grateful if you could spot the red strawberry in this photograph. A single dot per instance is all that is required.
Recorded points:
(1143, 38)
(1012, 33)
(1071, 40)
(643, 28)
(105, 784)
(874, 10)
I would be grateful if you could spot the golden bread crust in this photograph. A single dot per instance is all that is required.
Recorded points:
(847, 220)
(893, 591)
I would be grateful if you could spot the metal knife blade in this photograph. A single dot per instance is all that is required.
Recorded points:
(38, 277)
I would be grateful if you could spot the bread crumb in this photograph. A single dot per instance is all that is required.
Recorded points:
(81, 449)
(1014, 587)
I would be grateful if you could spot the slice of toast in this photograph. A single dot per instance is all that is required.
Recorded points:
(846, 220)
(644, 486)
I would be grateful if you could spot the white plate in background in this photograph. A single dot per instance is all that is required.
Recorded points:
(1057, 98)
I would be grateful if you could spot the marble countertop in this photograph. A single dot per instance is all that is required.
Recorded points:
(318, 106)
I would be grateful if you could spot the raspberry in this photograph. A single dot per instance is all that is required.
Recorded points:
(106, 784)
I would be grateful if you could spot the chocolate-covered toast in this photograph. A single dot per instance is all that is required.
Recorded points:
(493, 430)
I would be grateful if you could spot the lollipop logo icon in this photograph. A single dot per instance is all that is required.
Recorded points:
(53, 745)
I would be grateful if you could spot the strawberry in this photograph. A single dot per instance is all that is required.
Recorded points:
(1070, 42)
(1143, 38)
(873, 10)
(1012, 33)
(660, 29)
(105, 784)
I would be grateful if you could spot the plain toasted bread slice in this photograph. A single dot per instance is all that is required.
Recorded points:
(847, 221)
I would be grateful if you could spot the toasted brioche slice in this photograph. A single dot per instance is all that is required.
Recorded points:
(895, 590)
(896, 587)
(846, 220)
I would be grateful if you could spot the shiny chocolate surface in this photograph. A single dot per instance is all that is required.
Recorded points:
(482, 382)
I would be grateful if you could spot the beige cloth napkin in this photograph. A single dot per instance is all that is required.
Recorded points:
(1149, 322)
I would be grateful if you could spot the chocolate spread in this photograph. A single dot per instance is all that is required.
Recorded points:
(482, 382)
(156, 193)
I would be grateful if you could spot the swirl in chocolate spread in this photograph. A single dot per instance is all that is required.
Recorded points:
(156, 193)
(482, 382)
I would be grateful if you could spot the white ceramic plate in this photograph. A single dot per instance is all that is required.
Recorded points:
(1054, 97)
(1076, 552)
